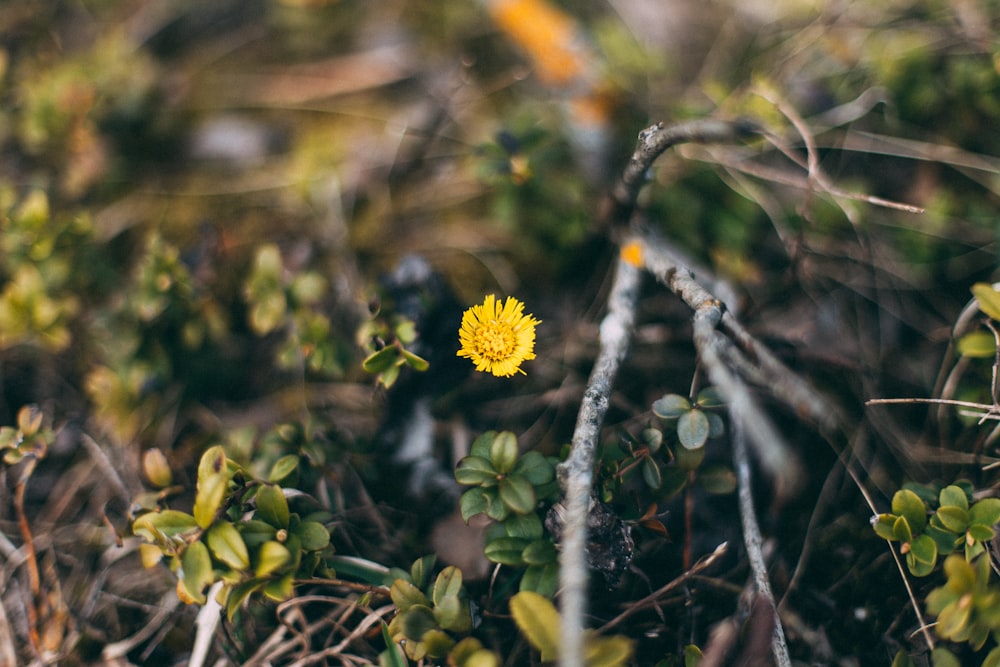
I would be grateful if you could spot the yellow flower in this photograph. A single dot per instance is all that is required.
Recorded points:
(498, 337)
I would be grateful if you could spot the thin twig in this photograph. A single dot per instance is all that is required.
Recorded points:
(576, 473)
(703, 563)
(753, 541)
(653, 141)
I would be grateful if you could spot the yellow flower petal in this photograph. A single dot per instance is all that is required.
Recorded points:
(497, 337)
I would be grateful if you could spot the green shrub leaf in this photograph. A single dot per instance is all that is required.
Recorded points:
(503, 452)
(988, 299)
(196, 571)
(227, 545)
(506, 551)
(671, 406)
(213, 479)
(475, 470)
(272, 506)
(906, 503)
(692, 429)
(518, 494)
(538, 620)
(271, 557)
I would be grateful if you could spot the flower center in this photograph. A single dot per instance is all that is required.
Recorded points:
(495, 340)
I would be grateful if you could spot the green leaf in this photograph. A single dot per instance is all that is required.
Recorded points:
(671, 406)
(271, 557)
(283, 468)
(717, 479)
(471, 503)
(503, 452)
(992, 658)
(314, 535)
(416, 621)
(953, 495)
(709, 397)
(986, 512)
(953, 518)
(924, 549)
(653, 438)
(154, 526)
(227, 545)
(475, 470)
(394, 656)
(988, 299)
(883, 526)
(279, 589)
(414, 361)
(689, 459)
(615, 651)
(692, 429)
(448, 582)
(907, 504)
(527, 526)
(420, 570)
(381, 361)
(692, 656)
(255, 532)
(452, 613)
(213, 478)
(651, 473)
(518, 494)
(538, 621)
(405, 595)
(196, 571)
(496, 509)
(540, 552)
(535, 468)
(437, 643)
(481, 445)
(901, 529)
(239, 593)
(977, 345)
(716, 425)
(980, 533)
(918, 568)
(272, 506)
(506, 551)
(541, 579)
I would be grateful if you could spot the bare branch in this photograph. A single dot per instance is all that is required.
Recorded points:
(576, 473)
(653, 141)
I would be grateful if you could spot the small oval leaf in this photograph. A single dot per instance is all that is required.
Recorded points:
(213, 478)
(272, 506)
(272, 556)
(227, 546)
(671, 406)
(538, 620)
(503, 452)
(988, 299)
(518, 494)
(692, 429)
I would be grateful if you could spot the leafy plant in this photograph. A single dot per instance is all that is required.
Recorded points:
(511, 488)
(928, 525)
(431, 615)
(539, 622)
(242, 532)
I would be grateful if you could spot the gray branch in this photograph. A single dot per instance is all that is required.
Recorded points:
(731, 357)
(576, 473)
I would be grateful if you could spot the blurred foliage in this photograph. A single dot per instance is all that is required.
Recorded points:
(195, 200)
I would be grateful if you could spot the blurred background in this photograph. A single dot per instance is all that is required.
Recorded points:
(212, 212)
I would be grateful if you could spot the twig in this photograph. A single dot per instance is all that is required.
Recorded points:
(753, 541)
(715, 350)
(653, 141)
(576, 473)
(648, 601)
